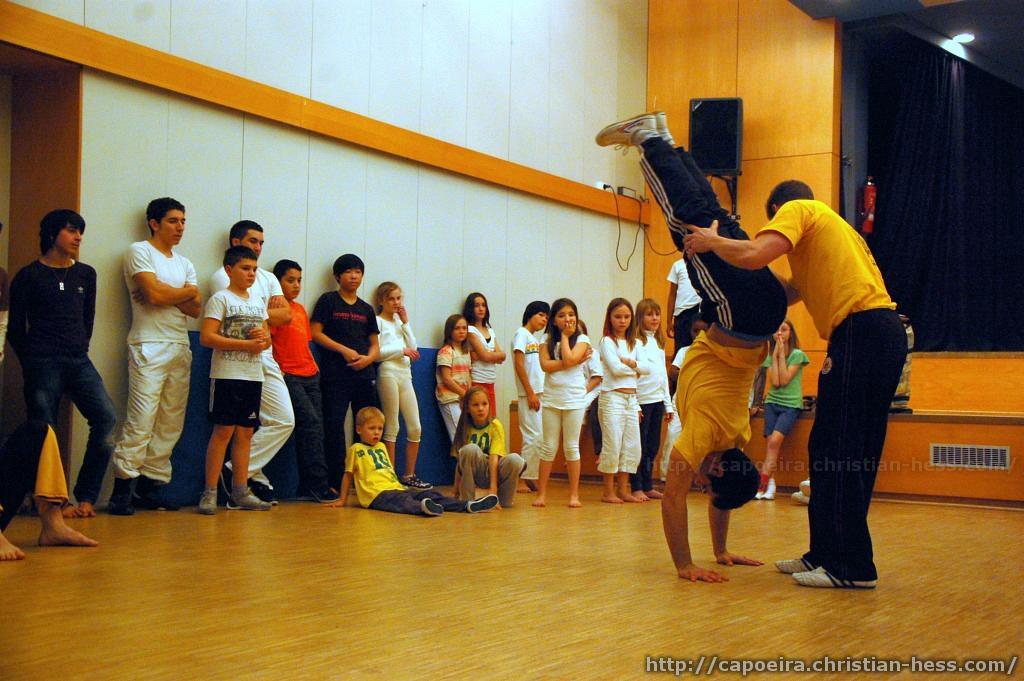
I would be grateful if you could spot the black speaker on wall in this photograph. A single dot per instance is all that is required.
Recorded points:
(716, 134)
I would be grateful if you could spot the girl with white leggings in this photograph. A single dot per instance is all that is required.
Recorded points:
(394, 378)
(565, 389)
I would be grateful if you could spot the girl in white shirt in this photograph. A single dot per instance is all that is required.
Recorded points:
(618, 408)
(653, 396)
(483, 344)
(394, 378)
(565, 390)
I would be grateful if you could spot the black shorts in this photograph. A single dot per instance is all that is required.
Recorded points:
(235, 403)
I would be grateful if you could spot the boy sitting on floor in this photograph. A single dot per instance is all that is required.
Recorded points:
(377, 486)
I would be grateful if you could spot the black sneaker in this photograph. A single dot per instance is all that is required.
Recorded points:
(432, 508)
(263, 492)
(482, 504)
(327, 496)
(414, 482)
(121, 499)
(147, 496)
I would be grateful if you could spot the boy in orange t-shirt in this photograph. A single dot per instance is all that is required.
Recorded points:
(302, 376)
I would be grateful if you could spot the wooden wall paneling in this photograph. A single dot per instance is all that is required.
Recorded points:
(46, 160)
(786, 65)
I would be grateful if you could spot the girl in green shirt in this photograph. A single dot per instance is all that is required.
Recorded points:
(785, 364)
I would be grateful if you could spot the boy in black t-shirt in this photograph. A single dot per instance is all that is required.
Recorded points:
(345, 327)
(53, 306)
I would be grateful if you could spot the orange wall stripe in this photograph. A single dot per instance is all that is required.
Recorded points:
(49, 35)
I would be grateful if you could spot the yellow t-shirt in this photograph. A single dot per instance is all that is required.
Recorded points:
(490, 439)
(711, 398)
(371, 468)
(833, 269)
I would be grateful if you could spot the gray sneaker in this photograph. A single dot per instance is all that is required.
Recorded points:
(247, 502)
(208, 502)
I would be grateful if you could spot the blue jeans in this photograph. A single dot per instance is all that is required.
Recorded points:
(46, 381)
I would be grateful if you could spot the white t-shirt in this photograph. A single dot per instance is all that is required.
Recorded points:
(263, 289)
(686, 296)
(593, 367)
(157, 323)
(484, 372)
(238, 316)
(567, 388)
(528, 344)
(653, 387)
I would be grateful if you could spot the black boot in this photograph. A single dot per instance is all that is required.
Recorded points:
(121, 499)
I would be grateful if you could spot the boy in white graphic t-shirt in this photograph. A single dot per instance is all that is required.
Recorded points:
(235, 326)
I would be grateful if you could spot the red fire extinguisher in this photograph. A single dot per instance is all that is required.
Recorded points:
(867, 226)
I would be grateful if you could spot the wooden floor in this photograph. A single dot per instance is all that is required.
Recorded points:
(314, 593)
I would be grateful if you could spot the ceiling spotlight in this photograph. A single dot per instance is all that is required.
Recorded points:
(963, 38)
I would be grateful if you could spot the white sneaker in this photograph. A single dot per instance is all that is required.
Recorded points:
(790, 567)
(247, 501)
(805, 487)
(208, 502)
(769, 493)
(759, 495)
(630, 132)
(661, 122)
(822, 578)
(801, 498)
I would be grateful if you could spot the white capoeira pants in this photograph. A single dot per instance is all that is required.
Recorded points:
(619, 414)
(158, 380)
(532, 429)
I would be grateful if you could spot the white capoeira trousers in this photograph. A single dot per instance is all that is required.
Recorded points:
(619, 414)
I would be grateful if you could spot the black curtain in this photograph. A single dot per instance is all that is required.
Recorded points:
(947, 150)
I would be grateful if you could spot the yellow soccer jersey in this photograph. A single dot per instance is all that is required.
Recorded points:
(833, 269)
(490, 439)
(371, 468)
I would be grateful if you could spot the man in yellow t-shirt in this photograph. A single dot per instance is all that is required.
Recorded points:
(378, 487)
(30, 460)
(836, 276)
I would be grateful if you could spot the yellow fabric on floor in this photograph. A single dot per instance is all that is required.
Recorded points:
(50, 482)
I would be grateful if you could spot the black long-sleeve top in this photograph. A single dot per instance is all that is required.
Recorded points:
(52, 310)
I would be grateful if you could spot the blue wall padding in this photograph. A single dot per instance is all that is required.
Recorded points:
(189, 459)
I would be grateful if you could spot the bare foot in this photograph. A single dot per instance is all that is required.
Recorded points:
(85, 510)
(654, 494)
(641, 496)
(629, 498)
(62, 535)
(9, 551)
(539, 502)
(69, 511)
(521, 488)
(532, 484)
(611, 499)
(574, 502)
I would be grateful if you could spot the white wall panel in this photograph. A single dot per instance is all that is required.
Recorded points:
(528, 113)
(278, 43)
(439, 278)
(341, 53)
(147, 22)
(445, 69)
(490, 54)
(275, 186)
(395, 62)
(337, 212)
(392, 190)
(600, 77)
(562, 255)
(69, 10)
(211, 33)
(565, 131)
(204, 167)
(525, 253)
(631, 83)
(124, 166)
